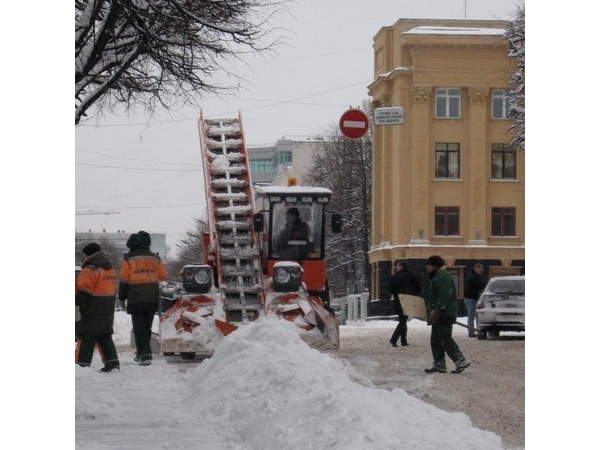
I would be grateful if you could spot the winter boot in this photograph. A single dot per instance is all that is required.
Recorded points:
(110, 366)
(461, 365)
(143, 361)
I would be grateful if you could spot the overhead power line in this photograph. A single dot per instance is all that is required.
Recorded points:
(96, 211)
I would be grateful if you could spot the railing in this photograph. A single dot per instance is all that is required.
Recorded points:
(356, 306)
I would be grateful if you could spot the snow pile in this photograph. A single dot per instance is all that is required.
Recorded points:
(267, 389)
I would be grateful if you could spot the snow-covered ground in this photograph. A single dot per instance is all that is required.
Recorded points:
(263, 389)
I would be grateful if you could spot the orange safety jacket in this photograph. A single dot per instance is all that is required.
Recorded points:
(95, 296)
(141, 272)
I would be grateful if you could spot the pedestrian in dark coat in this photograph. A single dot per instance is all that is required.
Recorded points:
(139, 285)
(403, 281)
(474, 286)
(95, 296)
(442, 309)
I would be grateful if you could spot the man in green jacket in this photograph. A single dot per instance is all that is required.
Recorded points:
(442, 308)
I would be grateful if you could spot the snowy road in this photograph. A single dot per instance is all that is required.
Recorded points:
(264, 389)
(491, 392)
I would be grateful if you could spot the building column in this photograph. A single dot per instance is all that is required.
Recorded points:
(477, 173)
(421, 166)
(377, 192)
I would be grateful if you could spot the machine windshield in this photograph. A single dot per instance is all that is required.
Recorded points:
(297, 231)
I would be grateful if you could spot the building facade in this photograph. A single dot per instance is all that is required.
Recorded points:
(446, 181)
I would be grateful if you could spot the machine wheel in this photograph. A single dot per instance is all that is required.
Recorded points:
(494, 333)
(188, 355)
(168, 354)
(482, 335)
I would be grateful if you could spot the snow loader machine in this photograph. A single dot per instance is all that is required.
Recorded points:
(251, 268)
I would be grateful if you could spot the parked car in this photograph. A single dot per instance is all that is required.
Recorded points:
(501, 306)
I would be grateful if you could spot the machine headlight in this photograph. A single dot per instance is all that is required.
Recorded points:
(197, 278)
(282, 275)
(287, 277)
(202, 276)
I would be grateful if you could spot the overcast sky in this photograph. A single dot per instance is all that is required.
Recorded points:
(146, 172)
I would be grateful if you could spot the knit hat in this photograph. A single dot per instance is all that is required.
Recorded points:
(436, 261)
(90, 249)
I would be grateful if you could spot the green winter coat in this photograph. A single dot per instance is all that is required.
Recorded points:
(442, 295)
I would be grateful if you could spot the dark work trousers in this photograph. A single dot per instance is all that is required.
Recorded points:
(85, 349)
(442, 343)
(401, 330)
(471, 305)
(142, 331)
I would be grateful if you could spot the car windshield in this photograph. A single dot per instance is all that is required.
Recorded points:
(508, 287)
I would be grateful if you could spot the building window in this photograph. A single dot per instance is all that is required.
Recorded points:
(284, 157)
(446, 221)
(261, 165)
(500, 103)
(447, 160)
(504, 161)
(504, 221)
(447, 103)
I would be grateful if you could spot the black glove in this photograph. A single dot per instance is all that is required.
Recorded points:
(434, 316)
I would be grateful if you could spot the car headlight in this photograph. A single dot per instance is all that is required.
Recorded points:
(197, 278)
(287, 277)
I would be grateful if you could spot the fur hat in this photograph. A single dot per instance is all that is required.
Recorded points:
(134, 242)
(145, 237)
(139, 240)
(90, 249)
(436, 261)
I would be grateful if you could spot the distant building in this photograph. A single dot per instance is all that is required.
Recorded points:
(447, 181)
(290, 156)
(118, 240)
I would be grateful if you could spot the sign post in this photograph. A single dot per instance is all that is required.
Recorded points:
(354, 124)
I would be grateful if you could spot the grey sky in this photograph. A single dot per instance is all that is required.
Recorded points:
(149, 170)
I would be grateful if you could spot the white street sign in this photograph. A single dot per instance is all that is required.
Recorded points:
(389, 115)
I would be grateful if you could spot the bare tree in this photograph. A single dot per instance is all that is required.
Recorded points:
(160, 52)
(113, 254)
(515, 35)
(344, 166)
(191, 250)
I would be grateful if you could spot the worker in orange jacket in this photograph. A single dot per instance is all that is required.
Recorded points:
(139, 285)
(95, 296)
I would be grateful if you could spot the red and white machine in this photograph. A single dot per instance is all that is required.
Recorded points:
(247, 273)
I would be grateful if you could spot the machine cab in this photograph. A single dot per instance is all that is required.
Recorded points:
(293, 221)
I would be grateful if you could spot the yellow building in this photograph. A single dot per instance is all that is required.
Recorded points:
(446, 181)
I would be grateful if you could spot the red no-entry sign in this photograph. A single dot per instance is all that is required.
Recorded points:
(354, 124)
